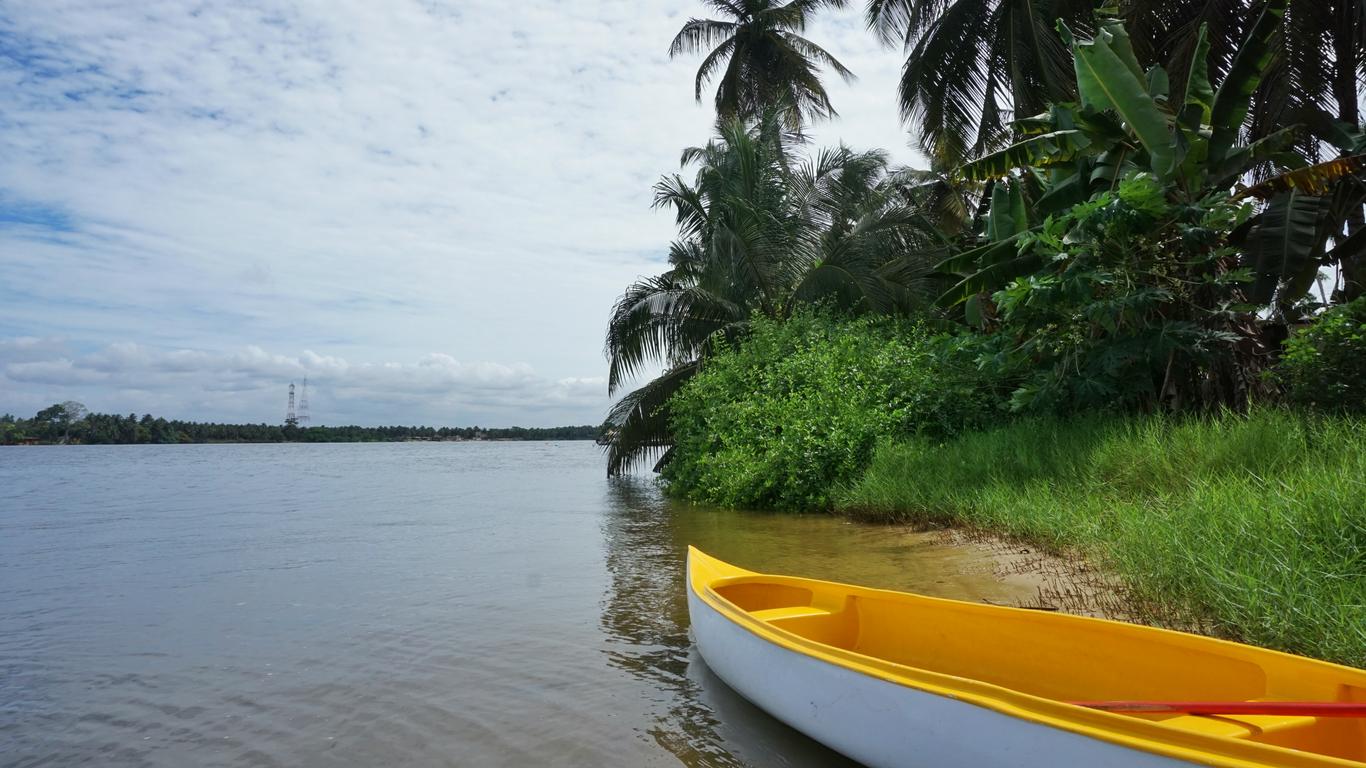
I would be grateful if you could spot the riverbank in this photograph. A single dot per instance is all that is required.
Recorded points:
(70, 424)
(1246, 527)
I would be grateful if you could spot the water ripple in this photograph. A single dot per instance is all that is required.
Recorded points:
(352, 605)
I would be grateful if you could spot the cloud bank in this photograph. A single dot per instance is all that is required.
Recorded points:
(396, 186)
(250, 384)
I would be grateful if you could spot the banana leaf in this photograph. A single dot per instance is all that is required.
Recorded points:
(1042, 150)
(1283, 242)
(1349, 248)
(1109, 77)
(1199, 94)
(1316, 179)
(1065, 188)
(1159, 84)
(986, 268)
(1007, 216)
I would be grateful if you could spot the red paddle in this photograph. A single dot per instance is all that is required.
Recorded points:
(1302, 708)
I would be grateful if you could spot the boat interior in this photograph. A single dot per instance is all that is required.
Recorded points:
(1066, 658)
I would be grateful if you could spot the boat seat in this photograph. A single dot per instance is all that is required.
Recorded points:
(789, 612)
(1252, 727)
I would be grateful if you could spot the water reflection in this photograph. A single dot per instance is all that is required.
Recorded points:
(645, 616)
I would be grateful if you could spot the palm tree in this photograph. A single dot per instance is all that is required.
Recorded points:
(971, 65)
(734, 228)
(762, 233)
(766, 61)
(1317, 63)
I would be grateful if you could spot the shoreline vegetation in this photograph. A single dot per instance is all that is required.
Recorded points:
(1247, 527)
(1121, 316)
(69, 424)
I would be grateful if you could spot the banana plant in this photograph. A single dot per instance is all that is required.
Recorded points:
(1123, 124)
(1306, 224)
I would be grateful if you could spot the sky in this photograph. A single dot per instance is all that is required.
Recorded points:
(425, 207)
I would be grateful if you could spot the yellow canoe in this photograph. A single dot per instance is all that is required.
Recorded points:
(897, 679)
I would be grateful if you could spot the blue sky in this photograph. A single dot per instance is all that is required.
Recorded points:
(426, 207)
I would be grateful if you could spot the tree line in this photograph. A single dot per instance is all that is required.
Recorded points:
(70, 423)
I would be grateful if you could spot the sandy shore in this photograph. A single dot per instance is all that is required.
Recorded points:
(999, 571)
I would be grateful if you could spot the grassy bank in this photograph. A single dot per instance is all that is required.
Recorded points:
(1257, 524)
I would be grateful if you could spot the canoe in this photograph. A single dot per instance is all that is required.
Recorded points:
(898, 679)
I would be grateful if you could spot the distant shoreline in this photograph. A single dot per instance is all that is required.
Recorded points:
(33, 444)
(69, 424)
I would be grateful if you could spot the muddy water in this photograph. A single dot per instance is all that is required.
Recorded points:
(422, 604)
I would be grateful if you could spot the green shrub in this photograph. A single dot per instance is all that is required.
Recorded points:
(1112, 319)
(1324, 365)
(796, 409)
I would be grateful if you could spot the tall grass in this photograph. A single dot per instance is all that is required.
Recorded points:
(1255, 523)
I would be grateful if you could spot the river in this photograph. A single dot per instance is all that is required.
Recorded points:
(424, 604)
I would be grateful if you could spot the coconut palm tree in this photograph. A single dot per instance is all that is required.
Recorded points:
(762, 57)
(760, 232)
(972, 66)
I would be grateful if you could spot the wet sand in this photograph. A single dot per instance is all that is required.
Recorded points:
(1033, 578)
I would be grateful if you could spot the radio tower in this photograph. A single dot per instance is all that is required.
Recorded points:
(303, 404)
(290, 419)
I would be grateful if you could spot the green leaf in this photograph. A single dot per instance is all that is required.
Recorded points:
(1159, 85)
(1349, 248)
(1007, 216)
(972, 310)
(987, 268)
(1042, 150)
(1036, 124)
(1283, 241)
(1109, 168)
(1199, 93)
(1064, 189)
(1272, 147)
(1244, 75)
(1108, 77)
(1119, 44)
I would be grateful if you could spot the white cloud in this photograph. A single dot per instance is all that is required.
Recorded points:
(369, 180)
(251, 383)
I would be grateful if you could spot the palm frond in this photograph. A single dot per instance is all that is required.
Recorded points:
(699, 34)
(709, 65)
(889, 19)
(639, 421)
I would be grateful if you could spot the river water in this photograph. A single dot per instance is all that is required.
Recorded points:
(462, 604)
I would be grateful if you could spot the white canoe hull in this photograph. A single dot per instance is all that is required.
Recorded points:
(886, 725)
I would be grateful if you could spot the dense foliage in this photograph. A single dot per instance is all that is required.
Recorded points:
(1324, 365)
(784, 417)
(974, 65)
(762, 231)
(1125, 124)
(1252, 523)
(1127, 207)
(64, 423)
(1126, 310)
